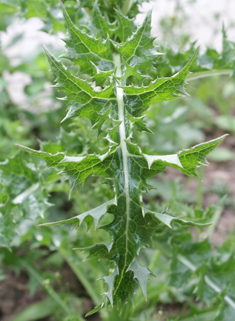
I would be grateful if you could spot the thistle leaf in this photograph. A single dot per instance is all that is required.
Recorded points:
(126, 27)
(83, 100)
(109, 280)
(78, 168)
(187, 161)
(109, 98)
(167, 219)
(142, 274)
(102, 23)
(93, 215)
(83, 48)
(163, 89)
(22, 195)
(139, 48)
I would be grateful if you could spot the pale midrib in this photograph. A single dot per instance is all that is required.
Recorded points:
(122, 131)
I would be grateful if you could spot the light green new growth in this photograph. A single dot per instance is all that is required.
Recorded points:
(112, 54)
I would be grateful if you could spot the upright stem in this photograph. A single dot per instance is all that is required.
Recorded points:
(200, 188)
(126, 6)
(122, 129)
(123, 147)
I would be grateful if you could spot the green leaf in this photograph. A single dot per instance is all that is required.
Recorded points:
(142, 274)
(126, 27)
(187, 161)
(78, 168)
(22, 195)
(102, 23)
(88, 217)
(140, 124)
(196, 156)
(83, 48)
(7, 227)
(99, 91)
(139, 98)
(84, 100)
(21, 178)
(109, 280)
(95, 310)
(167, 219)
(139, 48)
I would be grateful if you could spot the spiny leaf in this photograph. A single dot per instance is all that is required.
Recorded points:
(102, 23)
(88, 217)
(21, 193)
(78, 168)
(132, 71)
(83, 48)
(139, 48)
(102, 119)
(101, 76)
(167, 219)
(124, 163)
(187, 161)
(142, 274)
(68, 141)
(139, 98)
(126, 27)
(196, 156)
(140, 124)
(84, 101)
(109, 280)
(75, 85)
(99, 249)
(51, 159)
(23, 186)
(7, 225)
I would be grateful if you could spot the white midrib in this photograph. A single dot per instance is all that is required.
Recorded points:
(122, 131)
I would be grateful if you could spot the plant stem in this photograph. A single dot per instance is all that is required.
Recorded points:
(126, 6)
(124, 152)
(200, 187)
(215, 220)
(209, 73)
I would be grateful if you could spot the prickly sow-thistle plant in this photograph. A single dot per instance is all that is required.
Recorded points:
(112, 53)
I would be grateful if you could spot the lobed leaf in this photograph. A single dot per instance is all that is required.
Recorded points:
(163, 89)
(187, 161)
(78, 168)
(93, 215)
